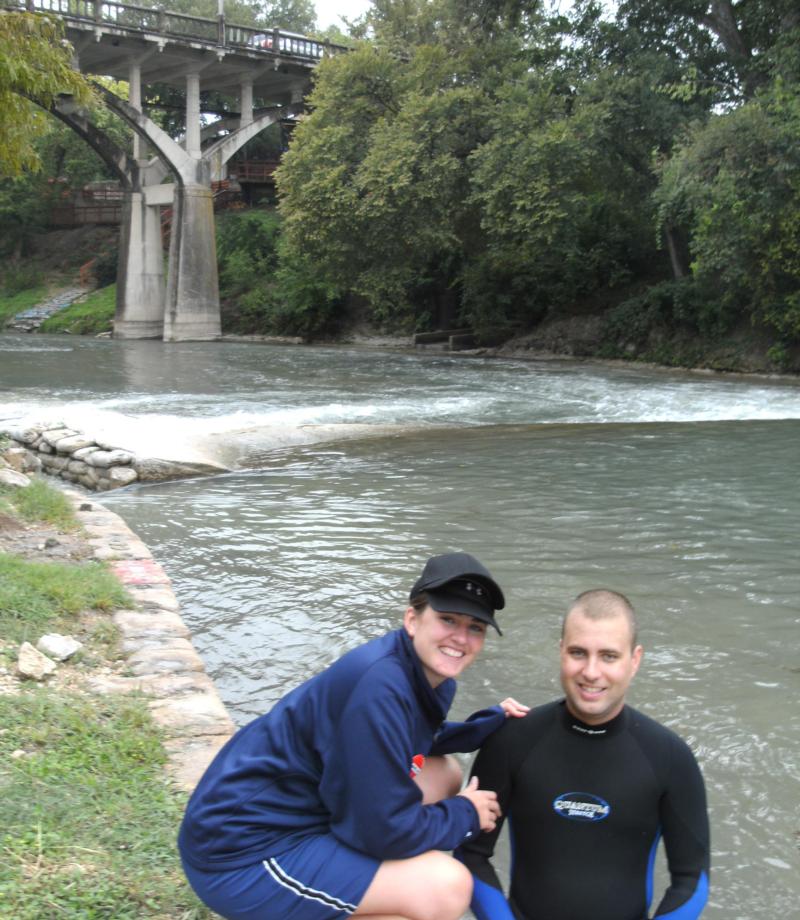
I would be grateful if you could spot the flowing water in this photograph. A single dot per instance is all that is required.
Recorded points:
(680, 490)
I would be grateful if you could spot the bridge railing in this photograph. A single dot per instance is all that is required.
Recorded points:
(158, 20)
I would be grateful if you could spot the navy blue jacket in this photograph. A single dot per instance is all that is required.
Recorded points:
(336, 755)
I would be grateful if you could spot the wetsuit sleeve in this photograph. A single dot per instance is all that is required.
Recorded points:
(375, 805)
(457, 737)
(493, 767)
(684, 822)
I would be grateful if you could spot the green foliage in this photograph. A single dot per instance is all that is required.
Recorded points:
(25, 203)
(34, 64)
(735, 186)
(17, 278)
(88, 820)
(41, 502)
(93, 316)
(637, 321)
(105, 267)
(264, 292)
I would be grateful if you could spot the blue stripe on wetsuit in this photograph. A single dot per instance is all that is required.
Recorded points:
(692, 908)
(488, 902)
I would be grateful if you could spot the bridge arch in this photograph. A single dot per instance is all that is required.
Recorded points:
(142, 45)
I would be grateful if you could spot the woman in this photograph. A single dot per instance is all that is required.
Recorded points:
(330, 805)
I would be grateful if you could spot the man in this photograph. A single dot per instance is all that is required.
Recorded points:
(589, 786)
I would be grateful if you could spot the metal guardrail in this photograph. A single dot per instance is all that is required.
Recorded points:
(180, 25)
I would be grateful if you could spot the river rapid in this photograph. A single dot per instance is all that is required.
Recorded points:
(349, 467)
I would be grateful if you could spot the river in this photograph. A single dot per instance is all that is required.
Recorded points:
(350, 466)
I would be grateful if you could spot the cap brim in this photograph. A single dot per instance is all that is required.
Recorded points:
(445, 602)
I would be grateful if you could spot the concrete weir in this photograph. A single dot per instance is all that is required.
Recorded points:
(163, 665)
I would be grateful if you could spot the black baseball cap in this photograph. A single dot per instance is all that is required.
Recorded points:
(458, 583)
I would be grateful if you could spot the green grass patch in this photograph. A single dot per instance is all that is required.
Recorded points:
(40, 502)
(11, 304)
(87, 819)
(41, 595)
(94, 315)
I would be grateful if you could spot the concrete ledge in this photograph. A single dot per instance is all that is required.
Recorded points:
(163, 664)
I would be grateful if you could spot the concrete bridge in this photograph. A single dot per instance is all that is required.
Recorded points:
(264, 73)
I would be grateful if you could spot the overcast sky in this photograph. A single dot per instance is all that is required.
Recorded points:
(328, 11)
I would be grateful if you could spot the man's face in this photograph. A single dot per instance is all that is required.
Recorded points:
(597, 666)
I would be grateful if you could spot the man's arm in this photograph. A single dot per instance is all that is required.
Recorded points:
(492, 767)
(684, 822)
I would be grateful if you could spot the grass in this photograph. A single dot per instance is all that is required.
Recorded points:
(93, 316)
(88, 820)
(40, 502)
(37, 596)
(11, 304)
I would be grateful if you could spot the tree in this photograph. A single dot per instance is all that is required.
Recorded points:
(35, 67)
(734, 185)
(726, 43)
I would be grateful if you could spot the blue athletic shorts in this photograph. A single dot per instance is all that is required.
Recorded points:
(317, 879)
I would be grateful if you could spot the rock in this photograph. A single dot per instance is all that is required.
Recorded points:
(122, 476)
(15, 458)
(152, 469)
(58, 647)
(24, 435)
(13, 478)
(32, 664)
(54, 435)
(83, 452)
(51, 462)
(74, 442)
(78, 468)
(32, 462)
(107, 458)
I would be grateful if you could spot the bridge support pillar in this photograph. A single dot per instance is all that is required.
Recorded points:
(192, 308)
(140, 275)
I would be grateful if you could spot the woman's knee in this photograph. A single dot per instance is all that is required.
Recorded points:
(432, 886)
(455, 887)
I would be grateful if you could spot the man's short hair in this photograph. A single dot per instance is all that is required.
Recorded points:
(600, 603)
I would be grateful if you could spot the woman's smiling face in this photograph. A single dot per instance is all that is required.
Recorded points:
(446, 643)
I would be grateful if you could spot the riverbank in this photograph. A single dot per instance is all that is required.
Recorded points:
(101, 746)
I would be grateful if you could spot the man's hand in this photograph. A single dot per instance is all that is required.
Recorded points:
(485, 803)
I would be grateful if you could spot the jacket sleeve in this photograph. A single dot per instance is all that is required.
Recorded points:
(458, 737)
(684, 822)
(366, 784)
(493, 768)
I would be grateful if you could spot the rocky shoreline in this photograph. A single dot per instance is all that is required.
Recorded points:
(158, 659)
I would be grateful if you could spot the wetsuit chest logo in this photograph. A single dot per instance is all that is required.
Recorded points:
(581, 806)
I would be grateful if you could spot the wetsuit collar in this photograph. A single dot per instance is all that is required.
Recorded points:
(435, 701)
(612, 727)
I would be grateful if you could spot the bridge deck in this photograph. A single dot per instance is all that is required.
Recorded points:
(107, 35)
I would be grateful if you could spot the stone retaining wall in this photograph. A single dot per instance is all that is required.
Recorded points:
(94, 463)
(70, 455)
(162, 662)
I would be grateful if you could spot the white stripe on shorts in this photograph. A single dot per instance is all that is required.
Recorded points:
(303, 891)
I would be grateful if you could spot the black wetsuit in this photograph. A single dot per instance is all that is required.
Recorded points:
(587, 806)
